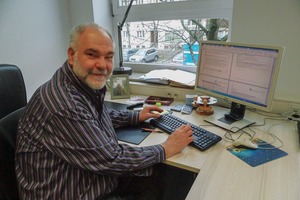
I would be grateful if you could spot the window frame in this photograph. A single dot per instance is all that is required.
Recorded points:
(193, 9)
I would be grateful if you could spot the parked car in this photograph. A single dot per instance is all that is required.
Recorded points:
(145, 55)
(178, 58)
(127, 53)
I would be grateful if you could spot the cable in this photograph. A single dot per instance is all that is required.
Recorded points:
(284, 117)
(228, 136)
(275, 138)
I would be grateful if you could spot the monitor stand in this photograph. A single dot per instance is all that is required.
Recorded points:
(232, 121)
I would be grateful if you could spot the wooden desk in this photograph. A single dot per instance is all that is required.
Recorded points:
(222, 176)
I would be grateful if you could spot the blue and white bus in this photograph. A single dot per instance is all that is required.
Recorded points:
(187, 57)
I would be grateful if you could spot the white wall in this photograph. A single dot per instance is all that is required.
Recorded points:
(103, 14)
(81, 11)
(273, 22)
(33, 36)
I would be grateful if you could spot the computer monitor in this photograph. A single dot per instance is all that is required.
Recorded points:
(244, 74)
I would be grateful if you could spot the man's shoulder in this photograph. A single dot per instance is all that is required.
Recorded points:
(58, 95)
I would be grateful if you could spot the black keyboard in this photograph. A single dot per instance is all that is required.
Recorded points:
(203, 139)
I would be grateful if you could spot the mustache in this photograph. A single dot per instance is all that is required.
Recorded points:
(99, 72)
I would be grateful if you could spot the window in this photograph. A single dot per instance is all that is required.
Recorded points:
(140, 34)
(143, 2)
(173, 28)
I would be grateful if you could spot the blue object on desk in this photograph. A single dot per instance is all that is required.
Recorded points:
(129, 134)
(115, 106)
(265, 153)
(203, 139)
(133, 134)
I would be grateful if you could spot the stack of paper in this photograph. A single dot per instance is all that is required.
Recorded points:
(178, 78)
(156, 76)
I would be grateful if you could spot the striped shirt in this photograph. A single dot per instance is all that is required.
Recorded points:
(67, 147)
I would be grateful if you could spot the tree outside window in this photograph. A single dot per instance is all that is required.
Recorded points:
(173, 37)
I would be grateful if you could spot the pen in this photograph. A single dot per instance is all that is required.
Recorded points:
(151, 130)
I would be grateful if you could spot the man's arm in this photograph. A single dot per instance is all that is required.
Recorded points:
(92, 145)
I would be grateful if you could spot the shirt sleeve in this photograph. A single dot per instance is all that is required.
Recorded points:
(92, 145)
(123, 118)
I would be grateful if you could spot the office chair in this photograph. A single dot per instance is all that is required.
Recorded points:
(12, 89)
(12, 102)
(8, 133)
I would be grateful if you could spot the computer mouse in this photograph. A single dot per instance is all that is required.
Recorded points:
(245, 143)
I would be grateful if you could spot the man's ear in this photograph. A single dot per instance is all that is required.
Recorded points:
(71, 54)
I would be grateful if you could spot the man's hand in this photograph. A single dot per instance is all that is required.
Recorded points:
(149, 112)
(178, 140)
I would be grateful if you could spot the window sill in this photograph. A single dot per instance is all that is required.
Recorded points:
(138, 87)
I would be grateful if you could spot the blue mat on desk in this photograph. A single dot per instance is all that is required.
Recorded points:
(133, 134)
(115, 106)
(129, 134)
(265, 153)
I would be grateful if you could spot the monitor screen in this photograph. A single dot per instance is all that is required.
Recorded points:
(241, 73)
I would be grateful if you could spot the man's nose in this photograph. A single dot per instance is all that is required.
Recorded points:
(101, 63)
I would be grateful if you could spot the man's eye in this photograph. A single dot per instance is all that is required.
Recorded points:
(91, 55)
(109, 57)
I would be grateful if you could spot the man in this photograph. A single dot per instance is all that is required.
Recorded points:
(66, 144)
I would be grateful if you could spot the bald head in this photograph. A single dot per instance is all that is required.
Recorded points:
(81, 28)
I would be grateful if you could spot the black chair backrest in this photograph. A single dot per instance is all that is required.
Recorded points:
(8, 133)
(12, 89)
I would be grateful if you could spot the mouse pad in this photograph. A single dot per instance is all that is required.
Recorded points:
(129, 134)
(265, 153)
(133, 134)
(116, 106)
